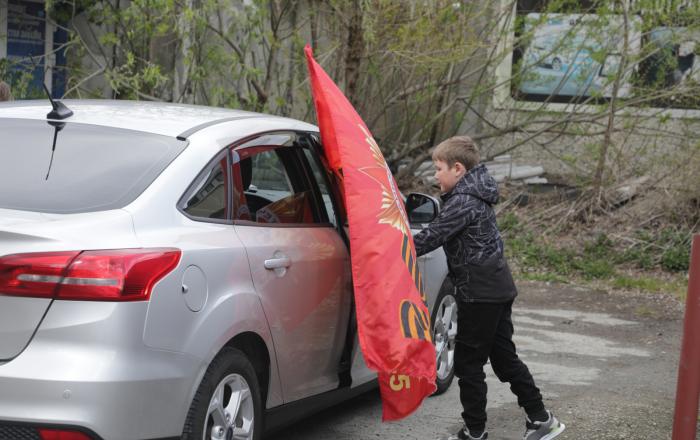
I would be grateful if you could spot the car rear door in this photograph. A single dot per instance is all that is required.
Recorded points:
(299, 263)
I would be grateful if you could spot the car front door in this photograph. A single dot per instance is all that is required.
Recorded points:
(298, 261)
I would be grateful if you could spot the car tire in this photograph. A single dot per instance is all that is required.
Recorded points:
(227, 401)
(444, 321)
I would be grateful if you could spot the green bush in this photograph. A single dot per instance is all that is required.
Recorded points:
(509, 223)
(594, 259)
(642, 259)
(559, 260)
(595, 267)
(600, 247)
(677, 258)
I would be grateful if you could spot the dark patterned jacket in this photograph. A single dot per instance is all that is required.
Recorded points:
(466, 228)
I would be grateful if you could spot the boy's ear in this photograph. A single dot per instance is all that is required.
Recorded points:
(459, 167)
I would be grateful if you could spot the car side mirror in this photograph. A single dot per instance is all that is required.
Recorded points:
(421, 208)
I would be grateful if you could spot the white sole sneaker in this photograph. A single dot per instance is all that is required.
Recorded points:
(554, 433)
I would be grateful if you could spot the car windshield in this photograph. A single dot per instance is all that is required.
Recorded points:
(75, 168)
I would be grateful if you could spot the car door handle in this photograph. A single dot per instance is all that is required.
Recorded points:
(278, 263)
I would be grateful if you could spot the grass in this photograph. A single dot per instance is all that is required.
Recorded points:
(646, 311)
(677, 287)
(660, 258)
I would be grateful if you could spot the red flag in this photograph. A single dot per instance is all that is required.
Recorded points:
(392, 315)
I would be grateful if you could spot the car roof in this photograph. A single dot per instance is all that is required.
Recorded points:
(176, 120)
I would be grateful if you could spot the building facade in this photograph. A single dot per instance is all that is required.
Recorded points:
(29, 42)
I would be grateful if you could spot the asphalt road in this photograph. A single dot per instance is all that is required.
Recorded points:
(606, 364)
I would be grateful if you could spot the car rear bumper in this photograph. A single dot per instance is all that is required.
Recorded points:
(87, 366)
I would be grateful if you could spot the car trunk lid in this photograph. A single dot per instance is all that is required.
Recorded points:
(19, 317)
(23, 232)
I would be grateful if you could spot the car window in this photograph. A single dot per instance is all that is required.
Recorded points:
(318, 175)
(267, 187)
(209, 195)
(88, 168)
(269, 176)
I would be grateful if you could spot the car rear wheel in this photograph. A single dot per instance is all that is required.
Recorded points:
(444, 321)
(227, 405)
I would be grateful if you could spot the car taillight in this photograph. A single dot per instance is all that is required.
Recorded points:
(109, 275)
(36, 275)
(55, 434)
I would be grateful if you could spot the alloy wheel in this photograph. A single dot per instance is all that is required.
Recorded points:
(231, 411)
(444, 334)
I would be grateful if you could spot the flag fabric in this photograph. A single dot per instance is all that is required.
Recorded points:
(392, 315)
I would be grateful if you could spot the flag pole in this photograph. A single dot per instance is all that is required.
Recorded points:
(688, 389)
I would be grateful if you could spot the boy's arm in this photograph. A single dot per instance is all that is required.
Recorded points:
(452, 218)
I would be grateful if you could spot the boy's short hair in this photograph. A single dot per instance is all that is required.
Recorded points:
(5, 94)
(460, 149)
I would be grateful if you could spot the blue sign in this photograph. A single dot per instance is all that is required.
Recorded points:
(26, 45)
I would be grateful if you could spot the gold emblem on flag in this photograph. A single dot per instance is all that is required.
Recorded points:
(392, 212)
(415, 322)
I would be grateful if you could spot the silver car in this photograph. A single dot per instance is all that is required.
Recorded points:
(172, 271)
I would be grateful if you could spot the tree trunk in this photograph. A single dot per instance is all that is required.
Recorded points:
(607, 138)
(355, 51)
(313, 24)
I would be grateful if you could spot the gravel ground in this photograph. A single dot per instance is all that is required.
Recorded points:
(606, 364)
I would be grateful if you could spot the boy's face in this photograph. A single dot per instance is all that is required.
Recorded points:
(448, 176)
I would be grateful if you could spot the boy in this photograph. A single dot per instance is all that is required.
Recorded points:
(466, 228)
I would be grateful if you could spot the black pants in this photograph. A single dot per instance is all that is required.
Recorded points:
(485, 331)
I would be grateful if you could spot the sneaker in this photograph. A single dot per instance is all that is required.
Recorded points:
(546, 430)
(464, 434)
